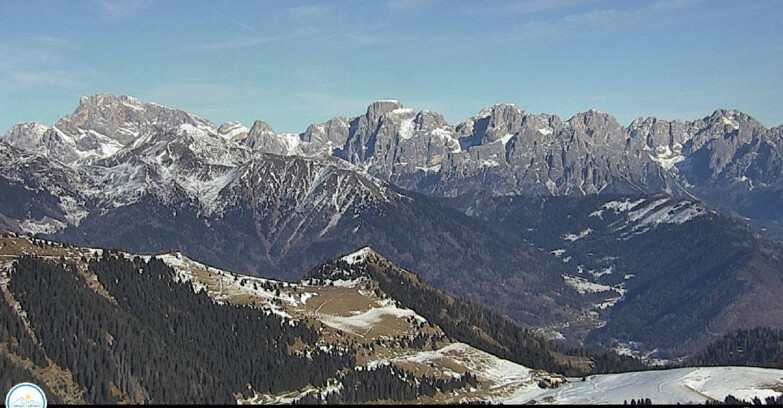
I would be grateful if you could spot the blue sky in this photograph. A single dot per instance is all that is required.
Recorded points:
(292, 63)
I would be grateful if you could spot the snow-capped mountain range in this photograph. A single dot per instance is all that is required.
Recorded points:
(728, 159)
(182, 183)
(143, 177)
(112, 151)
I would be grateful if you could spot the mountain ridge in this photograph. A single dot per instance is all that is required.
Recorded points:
(339, 335)
(727, 159)
(220, 196)
(266, 214)
(107, 113)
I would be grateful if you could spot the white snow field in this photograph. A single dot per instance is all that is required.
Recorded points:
(682, 385)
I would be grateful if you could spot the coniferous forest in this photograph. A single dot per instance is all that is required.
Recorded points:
(154, 340)
(759, 347)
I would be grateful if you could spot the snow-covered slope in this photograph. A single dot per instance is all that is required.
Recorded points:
(680, 386)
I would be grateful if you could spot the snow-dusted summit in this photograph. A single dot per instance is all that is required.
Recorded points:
(101, 126)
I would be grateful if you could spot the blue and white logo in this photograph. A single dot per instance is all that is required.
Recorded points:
(25, 395)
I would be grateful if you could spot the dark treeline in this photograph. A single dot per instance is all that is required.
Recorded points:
(160, 342)
(473, 323)
(17, 341)
(759, 347)
(14, 336)
(386, 383)
(12, 374)
(732, 400)
(602, 362)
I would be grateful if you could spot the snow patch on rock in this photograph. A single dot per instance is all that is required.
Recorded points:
(358, 256)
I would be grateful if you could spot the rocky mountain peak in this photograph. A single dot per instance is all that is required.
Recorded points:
(380, 108)
(233, 130)
(643, 122)
(261, 127)
(428, 120)
(497, 122)
(334, 131)
(124, 118)
(262, 137)
(24, 135)
(730, 120)
(594, 118)
(600, 127)
(498, 110)
(501, 150)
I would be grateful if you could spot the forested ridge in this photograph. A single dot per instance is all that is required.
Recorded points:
(150, 339)
(758, 347)
(160, 342)
(471, 322)
(14, 340)
(153, 340)
(386, 383)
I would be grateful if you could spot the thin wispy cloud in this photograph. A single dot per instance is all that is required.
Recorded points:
(309, 34)
(663, 5)
(122, 9)
(12, 57)
(36, 61)
(226, 17)
(599, 21)
(539, 6)
(32, 51)
(608, 18)
(363, 39)
(410, 4)
(307, 11)
(50, 41)
(244, 42)
(43, 78)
